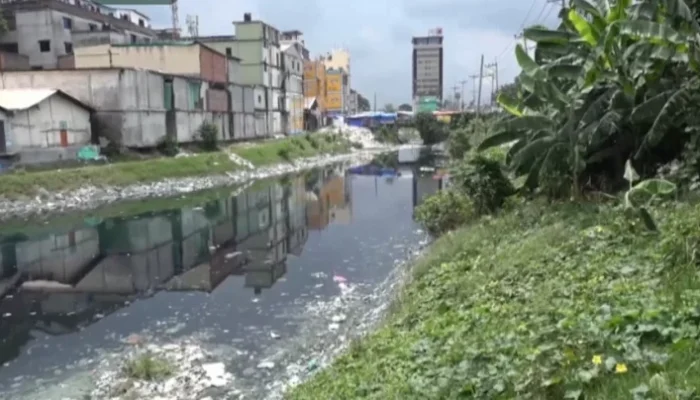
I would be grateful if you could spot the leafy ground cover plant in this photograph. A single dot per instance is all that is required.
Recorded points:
(543, 302)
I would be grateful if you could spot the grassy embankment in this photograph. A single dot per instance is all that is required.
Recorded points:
(20, 184)
(539, 302)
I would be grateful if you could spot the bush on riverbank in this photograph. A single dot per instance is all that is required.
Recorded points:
(546, 301)
(19, 184)
(444, 211)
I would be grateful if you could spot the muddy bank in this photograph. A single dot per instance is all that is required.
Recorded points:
(91, 197)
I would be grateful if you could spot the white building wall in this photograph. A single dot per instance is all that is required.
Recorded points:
(129, 103)
(40, 126)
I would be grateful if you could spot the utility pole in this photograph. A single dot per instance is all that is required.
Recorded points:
(481, 77)
(493, 72)
(474, 79)
(375, 101)
(461, 106)
(455, 95)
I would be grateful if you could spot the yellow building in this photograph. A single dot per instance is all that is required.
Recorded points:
(339, 60)
(315, 82)
(336, 89)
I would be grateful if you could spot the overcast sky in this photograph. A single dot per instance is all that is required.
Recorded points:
(378, 33)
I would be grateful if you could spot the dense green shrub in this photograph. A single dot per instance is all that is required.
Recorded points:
(387, 134)
(483, 181)
(430, 129)
(459, 143)
(444, 211)
(470, 134)
(168, 146)
(209, 135)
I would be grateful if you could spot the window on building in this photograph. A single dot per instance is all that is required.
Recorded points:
(195, 89)
(141, 22)
(278, 59)
(69, 48)
(37, 68)
(67, 23)
(133, 39)
(10, 21)
(259, 99)
(228, 52)
(92, 27)
(9, 47)
(45, 46)
(265, 66)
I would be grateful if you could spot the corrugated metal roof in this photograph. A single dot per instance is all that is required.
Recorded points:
(22, 99)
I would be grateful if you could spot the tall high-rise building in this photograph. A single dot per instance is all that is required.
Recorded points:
(428, 67)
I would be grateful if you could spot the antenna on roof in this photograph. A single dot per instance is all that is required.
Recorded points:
(192, 22)
(176, 19)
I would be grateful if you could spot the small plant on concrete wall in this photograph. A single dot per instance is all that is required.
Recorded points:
(209, 135)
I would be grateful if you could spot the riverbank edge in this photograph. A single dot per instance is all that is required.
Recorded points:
(91, 197)
(460, 305)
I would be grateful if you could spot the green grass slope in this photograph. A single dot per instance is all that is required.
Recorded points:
(543, 302)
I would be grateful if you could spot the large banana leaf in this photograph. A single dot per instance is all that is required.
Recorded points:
(500, 138)
(586, 31)
(650, 109)
(544, 35)
(528, 65)
(652, 31)
(509, 104)
(529, 154)
(524, 124)
(674, 108)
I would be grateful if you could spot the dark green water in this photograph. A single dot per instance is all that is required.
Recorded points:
(230, 268)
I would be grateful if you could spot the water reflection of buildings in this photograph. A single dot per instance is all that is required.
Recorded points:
(329, 200)
(62, 280)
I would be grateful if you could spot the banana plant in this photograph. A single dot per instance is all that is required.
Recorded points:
(596, 74)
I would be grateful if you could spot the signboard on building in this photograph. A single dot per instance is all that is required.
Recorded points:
(334, 101)
(334, 83)
(428, 104)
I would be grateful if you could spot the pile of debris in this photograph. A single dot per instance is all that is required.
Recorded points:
(357, 135)
(194, 373)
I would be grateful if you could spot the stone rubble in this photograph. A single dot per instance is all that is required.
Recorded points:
(90, 197)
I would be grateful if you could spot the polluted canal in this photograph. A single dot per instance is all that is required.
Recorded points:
(234, 295)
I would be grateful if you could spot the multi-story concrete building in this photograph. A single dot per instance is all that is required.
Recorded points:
(427, 66)
(45, 30)
(257, 44)
(339, 60)
(296, 37)
(293, 88)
